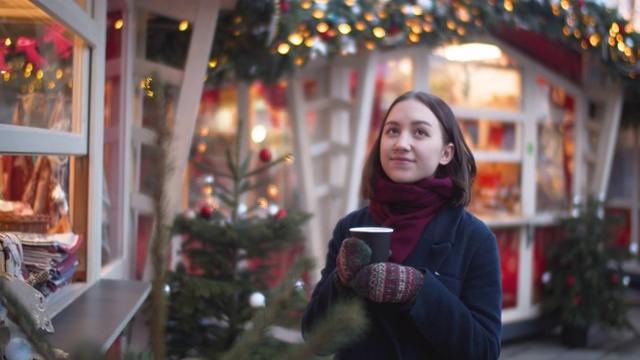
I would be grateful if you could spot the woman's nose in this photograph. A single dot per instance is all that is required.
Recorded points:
(402, 143)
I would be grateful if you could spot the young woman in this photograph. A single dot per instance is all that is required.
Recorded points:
(439, 295)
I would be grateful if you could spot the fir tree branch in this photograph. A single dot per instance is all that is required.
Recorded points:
(21, 317)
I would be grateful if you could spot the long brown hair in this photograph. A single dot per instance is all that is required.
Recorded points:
(461, 169)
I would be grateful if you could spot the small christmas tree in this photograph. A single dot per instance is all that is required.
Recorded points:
(585, 284)
(227, 275)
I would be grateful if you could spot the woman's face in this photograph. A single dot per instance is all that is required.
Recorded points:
(411, 146)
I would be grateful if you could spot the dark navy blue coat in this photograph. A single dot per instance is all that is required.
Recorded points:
(456, 315)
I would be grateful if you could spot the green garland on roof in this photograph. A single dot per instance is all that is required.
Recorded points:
(263, 40)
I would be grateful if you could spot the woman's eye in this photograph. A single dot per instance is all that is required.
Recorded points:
(421, 132)
(392, 131)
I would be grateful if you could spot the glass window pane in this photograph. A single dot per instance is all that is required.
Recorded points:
(476, 85)
(36, 202)
(496, 190)
(36, 65)
(488, 135)
(556, 147)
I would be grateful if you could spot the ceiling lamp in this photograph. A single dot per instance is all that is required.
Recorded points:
(470, 52)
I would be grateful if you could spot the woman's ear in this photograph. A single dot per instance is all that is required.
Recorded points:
(447, 154)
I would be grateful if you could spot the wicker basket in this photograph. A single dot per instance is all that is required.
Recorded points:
(24, 223)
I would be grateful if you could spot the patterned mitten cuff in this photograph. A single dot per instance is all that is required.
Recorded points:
(388, 282)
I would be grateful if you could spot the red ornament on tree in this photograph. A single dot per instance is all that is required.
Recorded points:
(571, 280)
(284, 6)
(206, 211)
(280, 214)
(614, 279)
(265, 155)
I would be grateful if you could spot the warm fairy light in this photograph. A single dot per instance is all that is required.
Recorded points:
(370, 45)
(614, 29)
(463, 15)
(29, 67)
(213, 63)
(621, 46)
(451, 24)
(317, 13)
(594, 39)
(201, 147)
(118, 24)
(627, 51)
(283, 48)
(369, 17)
(6, 76)
(263, 202)
(565, 31)
(414, 38)
(378, 32)
(612, 41)
(577, 33)
(508, 5)
(7, 42)
(628, 28)
(360, 25)
(416, 28)
(350, 3)
(321, 2)
(461, 31)
(295, 39)
(51, 85)
(308, 42)
(204, 130)
(39, 74)
(59, 74)
(417, 10)
(288, 159)
(207, 189)
(272, 190)
(322, 27)
(299, 61)
(184, 25)
(306, 5)
(555, 10)
(564, 4)
(258, 134)
(344, 28)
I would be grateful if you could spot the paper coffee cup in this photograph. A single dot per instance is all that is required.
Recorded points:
(378, 239)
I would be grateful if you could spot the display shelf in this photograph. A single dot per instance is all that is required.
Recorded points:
(99, 314)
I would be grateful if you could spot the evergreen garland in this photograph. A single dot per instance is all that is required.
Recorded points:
(308, 29)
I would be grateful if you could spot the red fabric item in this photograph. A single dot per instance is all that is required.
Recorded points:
(408, 209)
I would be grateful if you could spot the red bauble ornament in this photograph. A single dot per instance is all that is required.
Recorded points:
(284, 6)
(206, 211)
(614, 279)
(571, 280)
(265, 155)
(280, 214)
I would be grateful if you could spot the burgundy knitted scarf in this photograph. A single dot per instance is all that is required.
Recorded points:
(408, 209)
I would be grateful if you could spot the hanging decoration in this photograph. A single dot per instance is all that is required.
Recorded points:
(308, 29)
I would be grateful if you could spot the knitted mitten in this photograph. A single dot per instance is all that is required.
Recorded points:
(354, 254)
(388, 282)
